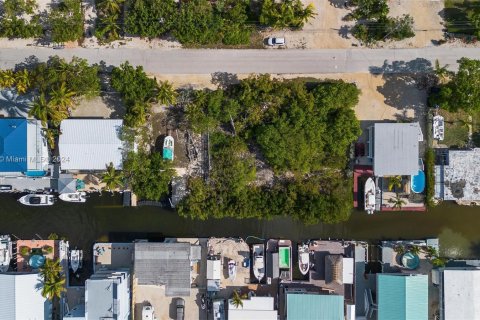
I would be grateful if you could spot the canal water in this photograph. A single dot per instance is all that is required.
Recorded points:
(103, 218)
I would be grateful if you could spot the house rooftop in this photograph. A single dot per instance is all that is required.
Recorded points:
(461, 177)
(255, 308)
(314, 307)
(90, 144)
(396, 148)
(165, 264)
(402, 297)
(461, 294)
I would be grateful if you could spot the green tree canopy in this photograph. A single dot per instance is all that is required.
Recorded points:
(150, 18)
(462, 92)
(149, 175)
(66, 21)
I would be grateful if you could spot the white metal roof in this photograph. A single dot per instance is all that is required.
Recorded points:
(396, 148)
(255, 308)
(348, 270)
(214, 269)
(461, 294)
(90, 144)
(21, 298)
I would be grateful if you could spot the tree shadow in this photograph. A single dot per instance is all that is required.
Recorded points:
(344, 31)
(419, 65)
(109, 96)
(29, 63)
(224, 79)
(14, 105)
(337, 3)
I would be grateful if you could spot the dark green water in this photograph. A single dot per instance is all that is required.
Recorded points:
(82, 224)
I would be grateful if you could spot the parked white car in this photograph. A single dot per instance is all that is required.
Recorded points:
(271, 41)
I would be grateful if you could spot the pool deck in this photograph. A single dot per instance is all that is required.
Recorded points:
(60, 251)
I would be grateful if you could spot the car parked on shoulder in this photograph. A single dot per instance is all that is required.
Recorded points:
(273, 41)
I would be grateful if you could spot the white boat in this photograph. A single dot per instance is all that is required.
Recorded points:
(232, 270)
(74, 197)
(258, 261)
(303, 259)
(148, 313)
(76, 257)
(370, 196)
(168, 148)
(5, 252)
(438, 127)
(37, 200)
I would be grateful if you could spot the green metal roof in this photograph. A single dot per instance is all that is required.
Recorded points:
(314, 307)
(402, 297)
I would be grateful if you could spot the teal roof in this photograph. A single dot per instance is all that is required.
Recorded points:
(314, 307)
(402, 297)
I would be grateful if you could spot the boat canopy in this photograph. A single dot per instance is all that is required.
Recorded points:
(284, 257)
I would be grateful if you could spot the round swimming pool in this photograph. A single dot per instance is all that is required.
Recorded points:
(418, 182)
(36, 261)
(410, 260)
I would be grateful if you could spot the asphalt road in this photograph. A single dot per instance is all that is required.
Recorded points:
(292, 61)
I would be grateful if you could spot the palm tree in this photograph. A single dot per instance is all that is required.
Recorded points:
(53, 288)
(112, 178)
(397, 202)
(7, 78)
(394, 182)
(51, 270)
(430, 251)
(62, 98)
(110, 6)
(166, 93)
(40, 109)
(236, 300)
(442, 72)
(414, 249)
(110, 27)
(22, 79)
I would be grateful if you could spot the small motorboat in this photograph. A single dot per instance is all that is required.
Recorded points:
(5, 252)
(148, 313)
(232, 269)
(370, 196)
(258, 261)
(5, 188)
(168, 148)
(303, 259)
(37, 200)
(74, 197)
(438, 128)
(76, 257)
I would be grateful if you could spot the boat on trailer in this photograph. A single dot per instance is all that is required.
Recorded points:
(438, 128)
(370, 196)
(303, 258)
(258, 261)
(232, 269)
(78, 197)
(76, 257)
(168, 148)
(5, 252)
(37, 200)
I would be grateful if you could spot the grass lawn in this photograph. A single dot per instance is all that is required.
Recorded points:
(456, 15)
(456, 129)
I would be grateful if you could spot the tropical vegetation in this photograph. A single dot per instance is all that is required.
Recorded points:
(108, 26)
(148, 174)
(112, 178)
(14, 22)
(203, 22)
(301, 132)
(374, 24)
(57, 85)
(462, 89)
(53, 280)
(139, 91)
(237, 301)
(430, 177)
(66, 21)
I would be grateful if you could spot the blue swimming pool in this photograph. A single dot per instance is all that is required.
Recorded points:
(410, 260)
(36, 261)
(418, 182)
